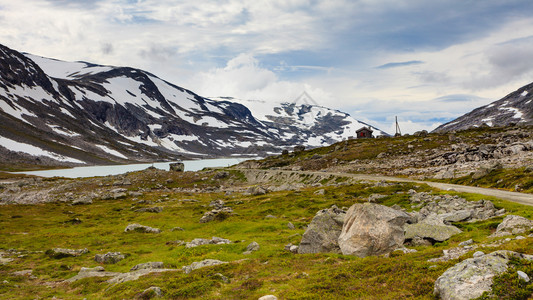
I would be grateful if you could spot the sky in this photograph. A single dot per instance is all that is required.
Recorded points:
(426, 62)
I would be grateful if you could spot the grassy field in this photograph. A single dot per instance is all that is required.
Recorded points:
(32, 229)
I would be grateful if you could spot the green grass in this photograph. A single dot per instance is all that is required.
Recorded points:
(33, 229)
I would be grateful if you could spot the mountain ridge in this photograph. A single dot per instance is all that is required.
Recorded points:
(86, 113)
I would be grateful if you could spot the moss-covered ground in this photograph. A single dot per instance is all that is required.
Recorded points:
(30, 230)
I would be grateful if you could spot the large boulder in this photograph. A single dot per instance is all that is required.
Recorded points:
(323, 232)
(109, 257)
(431, 229)
(141, 228)
(512, 224)
(202, 264)
(472, 277)
(372, 229)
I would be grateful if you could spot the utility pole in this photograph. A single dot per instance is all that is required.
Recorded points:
(398, 131)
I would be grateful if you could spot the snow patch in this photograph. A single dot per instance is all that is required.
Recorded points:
(36, 151)
(111, 151)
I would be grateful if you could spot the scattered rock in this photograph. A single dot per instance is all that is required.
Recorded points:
(156, 209)
(216, 215)
(217, 204)
(256, 191)
(374, 197)
(177, 229)
(466, 243)
(512, 225)
(472, 277)
(92, 272)
(432, 229)
(523, 276)
(290, 226)
(62, 252)
(270, 217)
(213, 241)
(320, 192)
(478, 254)
(268, 297)
(141, 228)
(253, 246)
(202, 264)
(292, 248)
(222, 277)
(148, 265)
(221, 175)
(109, 258)
(87, 199)
(149, 293)
(177, 167)
(323, 232)
(452, 253)
(372, 229)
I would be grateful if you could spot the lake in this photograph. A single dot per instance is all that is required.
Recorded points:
(190, 165)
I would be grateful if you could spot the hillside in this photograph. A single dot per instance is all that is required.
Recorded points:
(244, 233)
(515, 108)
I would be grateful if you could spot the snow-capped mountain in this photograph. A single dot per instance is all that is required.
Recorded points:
(303, 122)
(78, 112)
(515, 108)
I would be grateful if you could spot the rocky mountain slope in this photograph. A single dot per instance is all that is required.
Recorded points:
(515, 108)
(304, 122)
(54, 112)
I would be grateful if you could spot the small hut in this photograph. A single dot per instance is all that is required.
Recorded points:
(364, 132)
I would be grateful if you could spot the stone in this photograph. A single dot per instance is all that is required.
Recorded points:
(91, 272)
(294, 249)
(84, 200)
(177, 167)
(270, 217)
(253, 246)
(512, 224)
(322, 234)
(221, 175)
(213, 241)
(478, 254)
(372, 229)
(457, 216)
(216, 215)
(156, 209)
(62, 252)
(472, 277)
(202, 264)
(432, 232)
(256, 191)
(177, 229)
(217, 204)
(109, 258)
(148, 265)
(320, 192)
(149, 293)
(141, 228)
(290, 226)
(268, 297)
(452, 253)
(466, 243)
(222, 277)
(523, 276)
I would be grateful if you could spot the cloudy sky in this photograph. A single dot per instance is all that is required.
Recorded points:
(426, 62)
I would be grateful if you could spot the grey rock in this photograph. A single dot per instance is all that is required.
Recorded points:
(372, 229)
(256, 191)
(268, 297)
(466, 243)
(452, 253)
(270, 217)
(149, 293)
(217, 204)
(320, 192)
(141, 228)
(177, 229)
(84, 200)
(222, 277)
(202, 264)
(156, 209)
(213, 241)
(177, 167)
(290, 226)
(512, 224)
(253, 246)
(62, 252)
(294, 249)
(523, 276)
(148, 265)
(216, 214)
(109, 258)
(472, 277)
(432, 232)
(322, 234)
(478, 254)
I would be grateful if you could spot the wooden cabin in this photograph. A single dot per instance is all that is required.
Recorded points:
(364, 132)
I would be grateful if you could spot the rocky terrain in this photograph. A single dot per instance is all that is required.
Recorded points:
(243, 233)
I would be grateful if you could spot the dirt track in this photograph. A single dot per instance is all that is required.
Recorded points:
(521, 198)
